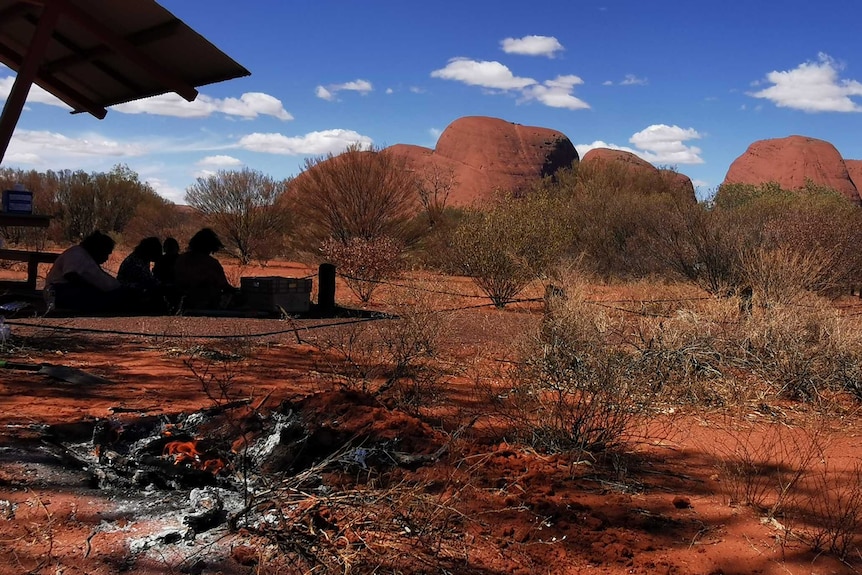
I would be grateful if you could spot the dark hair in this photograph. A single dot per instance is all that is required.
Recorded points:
(98, 245)
(172, 246)
(205, 242)
(149, 248)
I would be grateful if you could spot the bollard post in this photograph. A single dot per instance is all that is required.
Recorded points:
(326, 288)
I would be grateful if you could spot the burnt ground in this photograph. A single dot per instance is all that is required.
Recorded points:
(284, 460)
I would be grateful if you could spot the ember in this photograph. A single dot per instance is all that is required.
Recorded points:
(187, 453)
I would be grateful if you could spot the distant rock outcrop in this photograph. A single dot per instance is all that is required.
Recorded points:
(790, 162)
(482, 155)
(679, 184)
(625, 158)
(854, 168)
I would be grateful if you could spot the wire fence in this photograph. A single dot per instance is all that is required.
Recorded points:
(295, 328)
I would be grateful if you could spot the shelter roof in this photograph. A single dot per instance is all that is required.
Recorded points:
(105, 52)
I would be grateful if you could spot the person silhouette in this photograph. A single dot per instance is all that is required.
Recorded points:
(200, 278)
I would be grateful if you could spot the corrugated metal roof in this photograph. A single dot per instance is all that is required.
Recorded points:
(96, 53)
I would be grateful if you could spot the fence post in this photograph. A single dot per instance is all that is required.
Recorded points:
(326, 288)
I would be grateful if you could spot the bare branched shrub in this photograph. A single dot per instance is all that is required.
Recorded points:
(698, 244)
(762, 465)
(802, 350)
(833, 511)
(678, 356)
(413, 341)
(783, 275)
(246, 208)
(364, 263)
(434, 186)
(359, 193)
(570, 391)
(396, 356)
(352, 358)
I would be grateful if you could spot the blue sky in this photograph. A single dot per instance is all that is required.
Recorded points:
(681, 83)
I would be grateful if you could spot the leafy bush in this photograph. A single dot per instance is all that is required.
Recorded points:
(504, 248)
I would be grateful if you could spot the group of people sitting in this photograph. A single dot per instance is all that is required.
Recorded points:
(154, 278)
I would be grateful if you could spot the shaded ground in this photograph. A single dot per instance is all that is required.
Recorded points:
(414, 486)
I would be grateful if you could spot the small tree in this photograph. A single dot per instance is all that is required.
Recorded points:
(357, 194)
(434, 186)
(244, 207)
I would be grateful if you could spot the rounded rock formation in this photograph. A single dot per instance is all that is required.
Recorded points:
(854, 169)
(790, 162)
(678, 184)
(627, 159)
(482, 155)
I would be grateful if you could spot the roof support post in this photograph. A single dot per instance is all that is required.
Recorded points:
(27, 73)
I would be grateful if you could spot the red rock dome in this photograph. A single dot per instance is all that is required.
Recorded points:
(790, 162)
(485, 155)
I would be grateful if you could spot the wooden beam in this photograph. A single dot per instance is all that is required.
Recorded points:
(60, 89)
(27, 73)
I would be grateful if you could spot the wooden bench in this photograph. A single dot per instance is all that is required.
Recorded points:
(33, 260)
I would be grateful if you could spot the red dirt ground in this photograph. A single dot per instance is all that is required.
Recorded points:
(661, 507)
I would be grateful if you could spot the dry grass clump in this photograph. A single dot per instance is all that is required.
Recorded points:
(396, 355)
(805, 351)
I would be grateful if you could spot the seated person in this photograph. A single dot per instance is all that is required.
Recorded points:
(200, 278)
(135, 270)
(136, 276)
(163, 268)
(77, 281)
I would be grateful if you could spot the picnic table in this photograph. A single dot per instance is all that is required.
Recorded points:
(32, 257)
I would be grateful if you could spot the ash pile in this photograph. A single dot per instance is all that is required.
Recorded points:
(219, 460)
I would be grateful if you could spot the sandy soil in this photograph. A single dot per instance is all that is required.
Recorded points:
(456, 501)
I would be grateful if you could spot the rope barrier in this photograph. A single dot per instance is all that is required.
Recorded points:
(200, 336)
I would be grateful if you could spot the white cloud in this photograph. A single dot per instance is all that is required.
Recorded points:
(361, 86)
(812, 87)
(219, 161)
(36, 95)
(608, 83)
(663, 144)
(313, 143)
(584, 148)
(324, 94)
(482, 73)
(53, 149)
(557, 93)
(658, 144)
(204, 174)
(167, 191)
(328, 92)
(249, 105)
(532, 46)
(632, 80)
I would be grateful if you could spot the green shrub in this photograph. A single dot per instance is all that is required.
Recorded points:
(507, 246)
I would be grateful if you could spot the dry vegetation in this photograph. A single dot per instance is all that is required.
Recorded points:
(732, 317)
